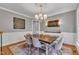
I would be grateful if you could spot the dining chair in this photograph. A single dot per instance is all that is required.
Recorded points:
(51, 47)
(59, 46)
(29, 42)
(55, 42)
(37, 44)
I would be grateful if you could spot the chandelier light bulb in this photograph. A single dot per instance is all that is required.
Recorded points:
(45, 16)
(40, 15)
(46, 23)
(36, 17)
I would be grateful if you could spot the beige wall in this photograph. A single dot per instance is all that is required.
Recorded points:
(68, 20)
(6, 22)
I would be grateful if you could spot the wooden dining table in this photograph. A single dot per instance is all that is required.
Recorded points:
(47, 39)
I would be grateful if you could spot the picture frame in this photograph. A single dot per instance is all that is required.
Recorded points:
(18, 23)
(53, 23)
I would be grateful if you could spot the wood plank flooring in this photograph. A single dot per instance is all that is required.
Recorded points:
(6, 50)
(73, 48)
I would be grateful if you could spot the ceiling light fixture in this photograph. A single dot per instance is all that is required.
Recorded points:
(40, 15)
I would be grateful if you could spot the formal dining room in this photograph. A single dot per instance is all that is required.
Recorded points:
(39, 29)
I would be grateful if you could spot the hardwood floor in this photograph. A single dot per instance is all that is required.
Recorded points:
(73, 48)
(6, 50)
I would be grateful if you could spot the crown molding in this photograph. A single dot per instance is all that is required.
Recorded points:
(63, 10)
(8, 10)
(56, 12)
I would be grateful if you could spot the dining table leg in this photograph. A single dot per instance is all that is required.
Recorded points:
(47, 49)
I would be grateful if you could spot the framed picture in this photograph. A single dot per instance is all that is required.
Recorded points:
(18, 23)
(53, 23)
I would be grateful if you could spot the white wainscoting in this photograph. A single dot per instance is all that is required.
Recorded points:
(13, 37)
(69, 38)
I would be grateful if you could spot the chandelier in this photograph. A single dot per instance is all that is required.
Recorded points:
(40, 15)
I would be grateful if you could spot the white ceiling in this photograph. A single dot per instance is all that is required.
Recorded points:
(29, 9)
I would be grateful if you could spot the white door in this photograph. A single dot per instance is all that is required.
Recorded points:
(35, 27)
